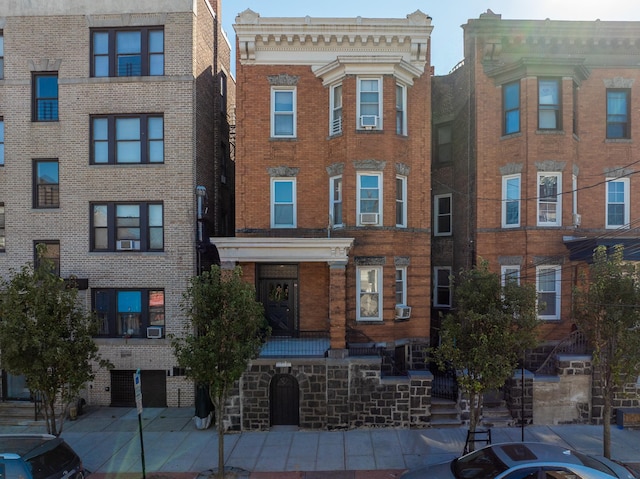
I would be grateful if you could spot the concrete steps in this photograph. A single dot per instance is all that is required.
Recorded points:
(18, 413)
(496, 414)
(445, 413)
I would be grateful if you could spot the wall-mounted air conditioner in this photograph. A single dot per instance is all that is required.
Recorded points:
(154, 332)
(368, 218)
(403, 312)
(577, 219)
(368, 121)
(127, 245)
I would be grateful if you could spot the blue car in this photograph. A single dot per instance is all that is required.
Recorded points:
(38, 456)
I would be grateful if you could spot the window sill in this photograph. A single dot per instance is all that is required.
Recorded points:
(618, 140)
(282, 138)
(370, 321)
(508, 136)
(373, 131)
(550, 132)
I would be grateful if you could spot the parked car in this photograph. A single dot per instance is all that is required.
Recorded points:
(38, 456)
(524, 460)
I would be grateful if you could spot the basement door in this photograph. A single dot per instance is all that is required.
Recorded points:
(284, 400)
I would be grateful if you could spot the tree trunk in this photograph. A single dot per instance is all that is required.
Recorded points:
(606, 425)
(219, 405)
(474, 418)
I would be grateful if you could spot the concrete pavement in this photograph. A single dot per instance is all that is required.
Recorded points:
(108, 441)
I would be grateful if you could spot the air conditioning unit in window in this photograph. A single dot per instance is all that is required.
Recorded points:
(369, 121)
(403, 312)
(368, 218)
(577, 219)
(127, 245)
(154, 332)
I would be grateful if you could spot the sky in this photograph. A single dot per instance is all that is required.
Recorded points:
(447, 15)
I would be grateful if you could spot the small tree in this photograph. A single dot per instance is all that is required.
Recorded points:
(225, 331)
(47, 336)
(484, 337)
(606, 310)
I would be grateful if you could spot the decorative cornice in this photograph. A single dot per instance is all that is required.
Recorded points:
(283, 172)
(283, 80)
(377, 165)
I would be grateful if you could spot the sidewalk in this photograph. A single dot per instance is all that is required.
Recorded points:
(108, 442)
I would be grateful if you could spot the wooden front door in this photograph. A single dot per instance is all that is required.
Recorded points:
(284, 400)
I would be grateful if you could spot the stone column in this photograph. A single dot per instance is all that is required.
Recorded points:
(337, 308)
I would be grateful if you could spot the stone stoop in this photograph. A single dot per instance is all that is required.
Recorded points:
(18, 413)
(496, 414)
(445, 413)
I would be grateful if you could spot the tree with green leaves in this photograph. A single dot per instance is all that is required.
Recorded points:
(47, 336)
(225, 330)
(606, 310)
(484, 336)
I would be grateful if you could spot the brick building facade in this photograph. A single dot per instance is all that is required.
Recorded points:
(111, 122)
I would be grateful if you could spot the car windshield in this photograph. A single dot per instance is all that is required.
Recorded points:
(481, 464)
(593, 463)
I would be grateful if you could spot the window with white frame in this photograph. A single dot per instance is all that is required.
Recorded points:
(283, 203)
(401, 201)
(336, 110)
(335, 203)
(442, 215)
(401, 285)
(548, 291)
(369, 279)
(442, 287)
(549, 199)
(369, 194)
(401, 109)
(511, 201)
(369, 103)
(574, 198)
(510, 273)
(283, 112)
(617, 212)
(549, 103)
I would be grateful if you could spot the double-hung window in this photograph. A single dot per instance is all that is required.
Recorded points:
(369, 194)
(549, 199)
(283, 203)
(369, 287)
(1, 141)
(2, 232)
(45, 97)
(510, 273)
(442, 215)
(401, 109)
(51, 253)
(549, 104)
(401, 201)
(335, 127)
(618, 113)
(617, 213)
(283, 112)
(401, 285)
(127, 139)
(369, 103)
(442, 287)
(46, 184)
(511, 201)
(127, 227)
(511, 108)
(129, 312)
(127, 52)
(548, 292)
(335, 203)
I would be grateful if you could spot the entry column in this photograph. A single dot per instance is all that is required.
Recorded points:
(338, 308)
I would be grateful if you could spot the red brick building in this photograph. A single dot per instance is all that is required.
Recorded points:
(534, 153)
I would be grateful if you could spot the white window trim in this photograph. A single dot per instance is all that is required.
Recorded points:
(333, 202)
(335, 129)
(380, 198)
(627, 203)
(378, 270)
(574, 194)
(511, 269)
(435, 286)
(558, 291)
(379, 126)
(273, 112)
(436, 215)
(403, 179)
(558, 221)
(403, 269)
(404, 109)
(273, 202)
(505, 200)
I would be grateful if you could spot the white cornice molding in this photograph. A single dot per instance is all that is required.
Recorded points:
(327, 250)
(368, 65)
(316, 41)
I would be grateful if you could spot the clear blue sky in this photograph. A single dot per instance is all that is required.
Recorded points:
(448, 15)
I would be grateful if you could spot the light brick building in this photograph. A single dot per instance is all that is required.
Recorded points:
(115, 127)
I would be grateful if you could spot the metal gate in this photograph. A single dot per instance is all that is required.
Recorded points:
(154, 388)
(285, 401)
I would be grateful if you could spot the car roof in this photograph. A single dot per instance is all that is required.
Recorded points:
(516, 453)
(26, 444)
